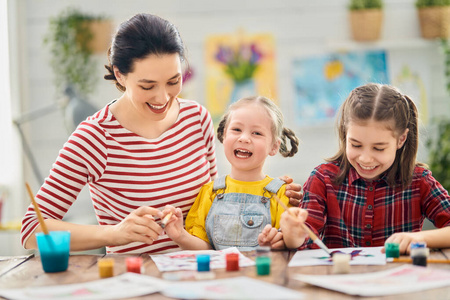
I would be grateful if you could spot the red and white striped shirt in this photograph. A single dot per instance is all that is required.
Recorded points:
(125, 171)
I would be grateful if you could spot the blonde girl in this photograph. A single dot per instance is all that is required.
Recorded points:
(234, 209)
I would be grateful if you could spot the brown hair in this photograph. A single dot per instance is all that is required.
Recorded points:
(137, 38)
(381, 103)
(279, 132)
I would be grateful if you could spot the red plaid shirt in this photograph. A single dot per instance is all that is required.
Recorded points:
(359, 213)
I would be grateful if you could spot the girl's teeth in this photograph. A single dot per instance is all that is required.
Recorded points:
(366, 168)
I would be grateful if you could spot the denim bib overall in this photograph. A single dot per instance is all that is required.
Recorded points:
(236, 219)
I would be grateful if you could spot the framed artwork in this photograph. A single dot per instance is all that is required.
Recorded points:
(238, 65)
(322, 83)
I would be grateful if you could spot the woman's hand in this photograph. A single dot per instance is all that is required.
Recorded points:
(293, 191)
(270, 236)
(174, 226)
(138, 226)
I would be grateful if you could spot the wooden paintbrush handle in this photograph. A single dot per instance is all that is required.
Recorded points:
(37, 210)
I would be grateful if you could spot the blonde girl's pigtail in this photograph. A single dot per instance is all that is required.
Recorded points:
(294, 141)
(221, 128)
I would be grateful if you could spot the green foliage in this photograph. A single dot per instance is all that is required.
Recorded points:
(428, 3)
(68, 37)
(445, 46)
(439, 155)
(365, 4)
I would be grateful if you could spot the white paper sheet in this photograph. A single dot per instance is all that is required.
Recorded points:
(230, 288)
(126, 285)
(318, 257)
(403, 279)
(186, 260)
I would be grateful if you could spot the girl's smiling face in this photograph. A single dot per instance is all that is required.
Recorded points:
(248, 140)
(371, 148)
(153, 85)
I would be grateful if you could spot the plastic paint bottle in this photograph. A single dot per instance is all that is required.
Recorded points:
(106, 267)
(134, 264)
(203, 261)
(392, 250)
(341, 263)
(419, 253)
(232, 260)
(263, 265)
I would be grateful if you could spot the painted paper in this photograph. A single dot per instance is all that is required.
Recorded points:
(318, 257)
(186, 259)
(404, 279)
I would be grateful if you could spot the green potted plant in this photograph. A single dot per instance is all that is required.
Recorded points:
(73, 37)
(439, 152)
(434, 18)
(366, 19)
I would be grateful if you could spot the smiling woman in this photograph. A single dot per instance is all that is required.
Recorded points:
(140, 152)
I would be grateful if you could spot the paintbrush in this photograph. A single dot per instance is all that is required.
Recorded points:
(37, 210)
(165, 220)
(311, 234)
(430, 260)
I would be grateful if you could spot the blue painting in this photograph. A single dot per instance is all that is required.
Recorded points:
(322, 83)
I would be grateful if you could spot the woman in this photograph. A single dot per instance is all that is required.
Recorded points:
(139, 153)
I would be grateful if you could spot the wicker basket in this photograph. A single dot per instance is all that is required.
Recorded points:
(434, 22)
(101, 35)
(366, 24)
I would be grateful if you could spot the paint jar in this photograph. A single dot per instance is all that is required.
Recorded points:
(341, 263)
(203, 261)
(419, 253)
(232, 260)
(54, 249)
(392, 250)
(134, 264)
(263, 265)
(106, 267)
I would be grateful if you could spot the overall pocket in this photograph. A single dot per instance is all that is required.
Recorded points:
(240, 231)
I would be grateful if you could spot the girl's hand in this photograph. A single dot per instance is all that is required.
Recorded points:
(138, 226)
(404, 239)
(291, 224)
(174, 226)
(270, 236)
(293, 191)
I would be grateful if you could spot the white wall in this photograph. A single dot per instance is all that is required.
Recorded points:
(301, 28)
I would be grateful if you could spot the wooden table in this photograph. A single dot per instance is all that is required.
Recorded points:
(19, 272)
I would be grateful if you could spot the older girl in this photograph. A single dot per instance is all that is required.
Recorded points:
(373, 190)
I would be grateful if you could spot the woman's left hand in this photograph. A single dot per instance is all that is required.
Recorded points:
(293, 191)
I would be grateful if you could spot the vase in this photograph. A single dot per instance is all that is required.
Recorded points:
(243, 89)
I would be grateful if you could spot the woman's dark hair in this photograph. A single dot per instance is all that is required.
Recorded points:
(137, 38)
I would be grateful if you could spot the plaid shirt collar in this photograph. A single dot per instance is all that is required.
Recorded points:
(353, 176)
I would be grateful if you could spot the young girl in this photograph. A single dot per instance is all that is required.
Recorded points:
(233, 210)
(372, 191)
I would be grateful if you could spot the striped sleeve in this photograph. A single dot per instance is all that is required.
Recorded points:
(82, 159)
